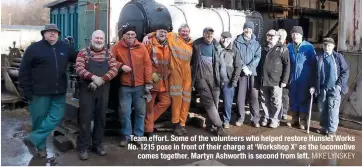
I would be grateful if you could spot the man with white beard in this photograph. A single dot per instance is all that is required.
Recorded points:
(96, 67)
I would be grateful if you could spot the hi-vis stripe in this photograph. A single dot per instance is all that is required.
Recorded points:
(176, 87)
(186, 99)
(175, 93)
(186, 93)
(154, 58)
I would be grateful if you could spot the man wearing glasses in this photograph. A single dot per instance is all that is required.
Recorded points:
(273, 71)
(136, 82)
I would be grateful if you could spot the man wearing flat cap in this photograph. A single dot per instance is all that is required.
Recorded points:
(302, 77)
(43, 82)
(233, 65)
(250, 52)
(332, 81)
(160, 55)
(208, 74)
(136, 82)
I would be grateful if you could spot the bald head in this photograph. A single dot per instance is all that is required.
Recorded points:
(98, 40)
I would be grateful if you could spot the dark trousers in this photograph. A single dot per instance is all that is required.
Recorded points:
(246, 88)
(93, 106)
(285, 101)
(209, 98)
(228, 92)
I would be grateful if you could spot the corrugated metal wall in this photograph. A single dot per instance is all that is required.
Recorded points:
(350, 44)
(350, 26)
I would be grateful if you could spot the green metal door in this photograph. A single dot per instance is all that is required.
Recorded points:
(92, 15)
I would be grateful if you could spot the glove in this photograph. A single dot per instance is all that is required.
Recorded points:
(156, 77)
(92, 86)
(147, 94)
(338, 88)
(283, 85)
(246, 71)
(97, 80)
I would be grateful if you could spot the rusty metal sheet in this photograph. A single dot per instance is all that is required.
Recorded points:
(350, 26)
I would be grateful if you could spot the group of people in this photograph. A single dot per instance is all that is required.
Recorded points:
(163, 70)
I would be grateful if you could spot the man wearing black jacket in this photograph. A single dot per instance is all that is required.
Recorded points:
(274, 69)
(43, 82)
(208, 75)
(233, 64)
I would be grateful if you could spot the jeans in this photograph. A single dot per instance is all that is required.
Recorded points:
(228, 101)
(127, 97)
(328, 103)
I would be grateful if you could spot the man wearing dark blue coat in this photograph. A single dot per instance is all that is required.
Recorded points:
(43, 82)
(302, 76)
(332, 78)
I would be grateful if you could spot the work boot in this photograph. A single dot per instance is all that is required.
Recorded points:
(331, 134)
(256, 125)
(124, 141)
(42, 153)
(303, 120)
(178, 130)
(100, 150)
(226, 125)
(184, 130)
(322, 131)
(149, 134)
(137, 143)
(239, 123)
(220, 131)
(285, 117)
(83, 155)
(264, 123)
(295, 118)
(31, 147)
(273, 125)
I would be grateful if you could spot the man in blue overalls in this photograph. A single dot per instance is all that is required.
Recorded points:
(302, 76)
(96, 67)
(332, 78)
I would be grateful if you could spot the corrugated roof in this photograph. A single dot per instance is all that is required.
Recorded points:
(57, 2)
(22, 27)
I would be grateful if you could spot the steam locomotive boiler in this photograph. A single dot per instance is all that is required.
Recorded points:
(144, 14)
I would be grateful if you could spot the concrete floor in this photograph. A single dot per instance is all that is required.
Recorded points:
(15, 125)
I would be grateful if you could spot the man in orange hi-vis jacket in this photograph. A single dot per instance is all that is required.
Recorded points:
(180, 77)
(160, 56)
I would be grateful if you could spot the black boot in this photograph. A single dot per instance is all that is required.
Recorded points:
(149, 134)
(178, 130)
(100, 150)
(124, 141)
(220, 131)
(31, 147)
(184, 130)
(83, 155)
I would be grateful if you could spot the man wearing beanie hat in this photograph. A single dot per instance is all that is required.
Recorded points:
(250, 52)
(332, 79)
(233, 65)
(302, 77)
(180, 78)
(208, 74)
(160, 55)
(44, 63)
(136, 83)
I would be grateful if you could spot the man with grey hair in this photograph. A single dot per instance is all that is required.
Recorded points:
(95, 67)
(180, 75)
(282, 36)
(43, 82)
(273, 74)
(285, 97)
(332, 81)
